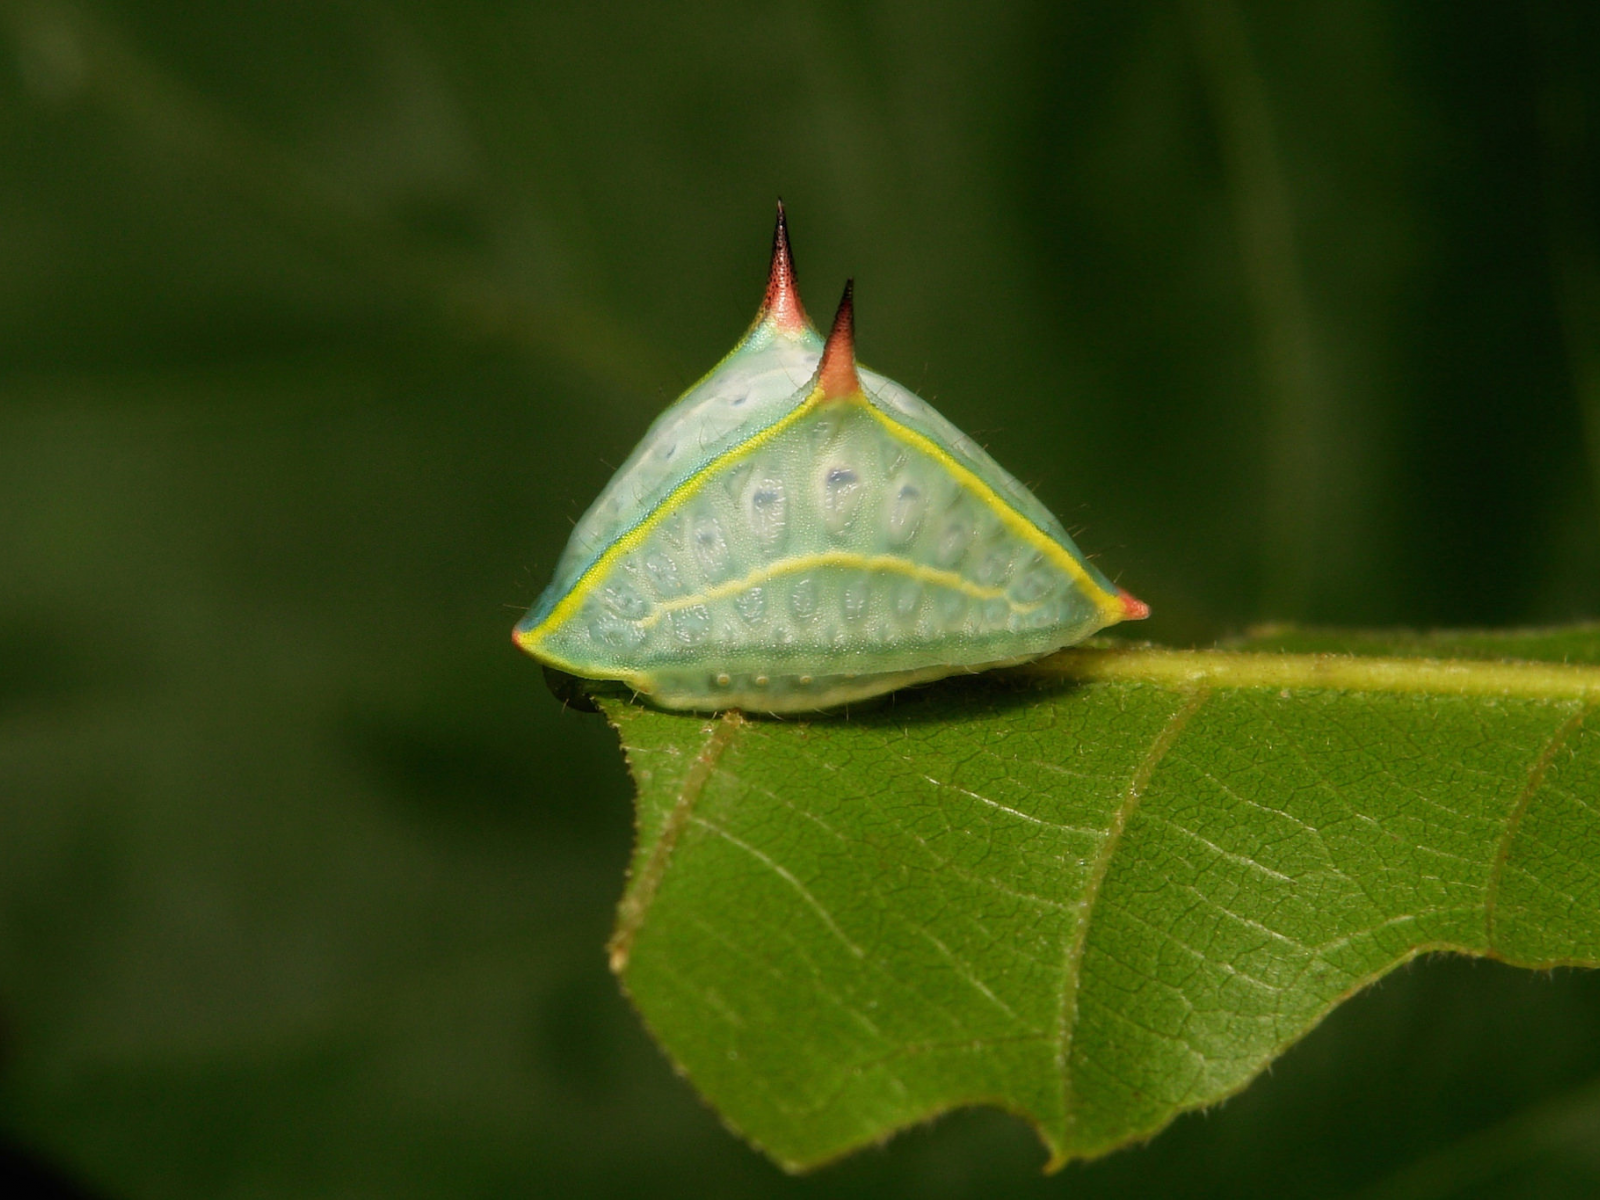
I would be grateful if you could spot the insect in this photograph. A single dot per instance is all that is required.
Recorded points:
(797, 532)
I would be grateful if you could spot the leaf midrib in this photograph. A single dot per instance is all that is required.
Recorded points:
(1218, 669)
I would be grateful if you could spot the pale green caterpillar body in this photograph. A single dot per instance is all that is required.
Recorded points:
(797, 532)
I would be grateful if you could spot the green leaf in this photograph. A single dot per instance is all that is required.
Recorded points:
(1101, 890)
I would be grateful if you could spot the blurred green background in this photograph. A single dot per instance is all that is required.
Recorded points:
(322, 320)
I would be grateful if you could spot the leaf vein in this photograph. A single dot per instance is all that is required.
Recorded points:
(1519, 809)
(1073, 959)
(787, 876)
(638, 898)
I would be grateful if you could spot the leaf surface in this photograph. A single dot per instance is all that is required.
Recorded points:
(1101, 890)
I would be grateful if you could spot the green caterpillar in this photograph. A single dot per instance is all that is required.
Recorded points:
(797, 532)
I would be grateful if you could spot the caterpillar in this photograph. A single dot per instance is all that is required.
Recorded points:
(797, 532)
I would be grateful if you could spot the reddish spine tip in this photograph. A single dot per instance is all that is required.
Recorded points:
(836, 374)
(781, 305)
(1133, 608)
